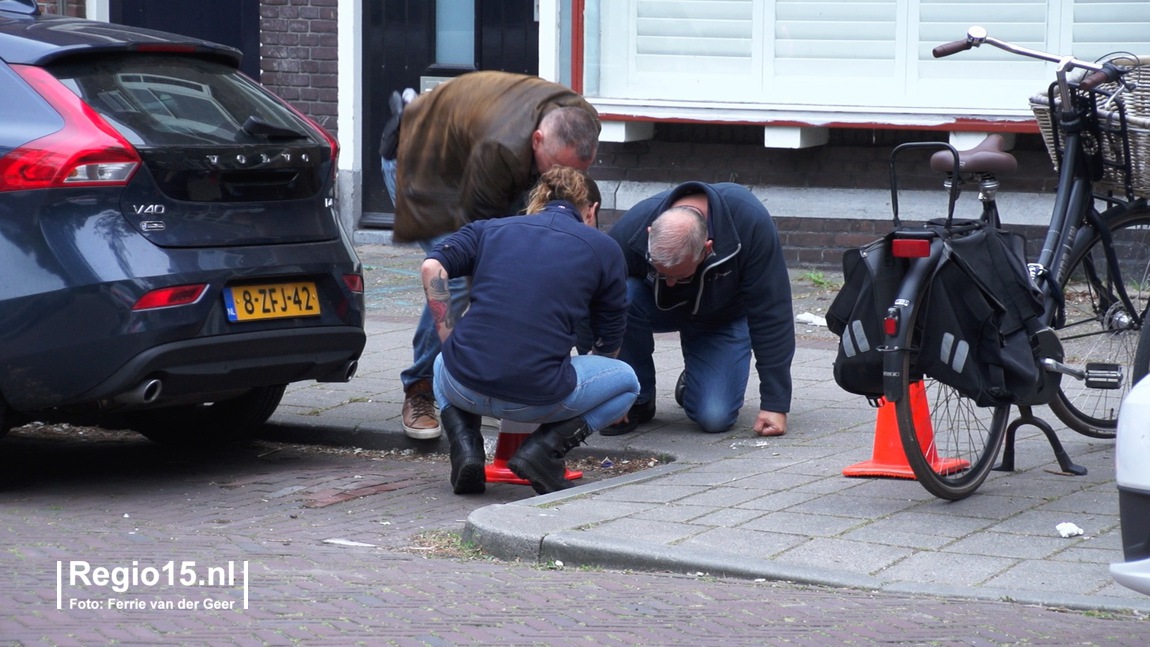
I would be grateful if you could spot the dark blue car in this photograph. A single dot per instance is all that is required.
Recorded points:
(169, 249)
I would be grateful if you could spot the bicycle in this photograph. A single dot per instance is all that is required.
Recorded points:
(1093, 273)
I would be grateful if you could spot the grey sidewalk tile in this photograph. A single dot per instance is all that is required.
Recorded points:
(1092, 551)
(656, 492)
(779, 481)
(593, 510)
(845, 555)
(845, 505)
(946, 569)
(676, 513)
(1004, 544)
(920, 521)
(988, 506)
(892, 534)
(774, 501)
(741, 542)
(1032, 575)
(1093, 500)
(1043, 523)
(722, 496)
(659, 532)
(727, 517)
(807, 524)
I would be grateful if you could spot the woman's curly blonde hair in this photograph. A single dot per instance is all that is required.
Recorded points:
(563, 183)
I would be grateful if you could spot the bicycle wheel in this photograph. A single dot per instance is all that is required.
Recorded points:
(1095, 325)
(950, 443)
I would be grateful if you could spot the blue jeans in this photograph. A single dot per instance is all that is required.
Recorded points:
(425, 342)
(716, 356)
(389, 167)
(605, 389)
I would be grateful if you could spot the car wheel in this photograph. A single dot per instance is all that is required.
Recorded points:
(208, 424)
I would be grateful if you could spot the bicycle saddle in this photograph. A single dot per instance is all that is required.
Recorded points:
(986, 157)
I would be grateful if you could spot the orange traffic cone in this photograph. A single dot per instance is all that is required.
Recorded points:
(511, 436)
(888, 457)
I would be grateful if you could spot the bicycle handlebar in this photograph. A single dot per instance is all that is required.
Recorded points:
(976, 36)
(952, 48)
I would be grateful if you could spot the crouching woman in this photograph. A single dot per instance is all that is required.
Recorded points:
(533, 279)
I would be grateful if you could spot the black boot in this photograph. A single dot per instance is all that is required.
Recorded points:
(540, 457)
(468, 459)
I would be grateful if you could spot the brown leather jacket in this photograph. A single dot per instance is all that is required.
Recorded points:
(465, 150)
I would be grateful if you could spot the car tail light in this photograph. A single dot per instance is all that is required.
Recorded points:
(331, 141)
(87, 151)
(178, 295)
(354, 282)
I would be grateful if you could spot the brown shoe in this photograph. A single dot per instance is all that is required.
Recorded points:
(420, 419)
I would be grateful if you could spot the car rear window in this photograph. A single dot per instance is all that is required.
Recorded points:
(167, 100)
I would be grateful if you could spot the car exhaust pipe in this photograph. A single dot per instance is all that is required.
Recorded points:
(342, 374)
(146, 392)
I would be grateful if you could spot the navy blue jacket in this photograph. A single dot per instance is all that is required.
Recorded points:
(745, 276)
(533, 278)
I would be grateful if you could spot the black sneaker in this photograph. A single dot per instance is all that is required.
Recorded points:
(640, 412)
(680, 387)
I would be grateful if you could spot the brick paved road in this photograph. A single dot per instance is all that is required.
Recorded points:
(130, 504)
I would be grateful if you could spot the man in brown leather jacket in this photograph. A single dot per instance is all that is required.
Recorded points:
(471, 149)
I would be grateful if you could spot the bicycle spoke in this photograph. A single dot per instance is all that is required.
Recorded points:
(1100, 327)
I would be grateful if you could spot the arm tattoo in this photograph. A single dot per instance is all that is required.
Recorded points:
(439, 301)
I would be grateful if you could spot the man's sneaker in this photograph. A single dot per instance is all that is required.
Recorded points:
(640, 412)
(420, 419)
(680, 387)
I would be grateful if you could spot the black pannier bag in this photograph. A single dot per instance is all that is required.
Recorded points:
(976, 329)
(871, 278)
(981, 316)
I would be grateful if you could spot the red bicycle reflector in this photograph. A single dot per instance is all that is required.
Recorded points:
(890, 322)
(890, 326)
(910, 248)
(179, 295)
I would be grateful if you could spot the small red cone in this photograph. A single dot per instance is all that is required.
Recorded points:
(505, 447)
(888, 457)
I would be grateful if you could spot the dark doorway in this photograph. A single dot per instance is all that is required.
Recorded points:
(508, 37)
(230, 22)
(399, 49)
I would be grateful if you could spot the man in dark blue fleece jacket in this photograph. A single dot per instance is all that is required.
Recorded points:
(705, 260)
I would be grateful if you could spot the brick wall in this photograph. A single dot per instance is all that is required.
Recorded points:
(854, 158)
(819, 243)
(74, 8)
(857, 159)
(298, 50)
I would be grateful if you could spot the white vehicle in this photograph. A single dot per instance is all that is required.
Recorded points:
(1132, 469)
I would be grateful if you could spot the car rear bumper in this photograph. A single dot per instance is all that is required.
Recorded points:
(203, 366)
(1134, 509)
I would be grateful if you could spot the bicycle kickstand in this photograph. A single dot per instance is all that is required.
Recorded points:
(1026, 417)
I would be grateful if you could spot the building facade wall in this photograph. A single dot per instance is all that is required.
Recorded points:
(74, 8)
(299, 56)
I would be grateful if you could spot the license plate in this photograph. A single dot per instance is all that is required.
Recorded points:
(271, 301)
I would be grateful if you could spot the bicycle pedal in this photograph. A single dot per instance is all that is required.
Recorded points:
(1103, 376)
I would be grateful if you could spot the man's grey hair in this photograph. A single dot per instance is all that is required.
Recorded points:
(573, 128)
(678, 235)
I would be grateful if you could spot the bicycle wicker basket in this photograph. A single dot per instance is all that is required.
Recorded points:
(1119, 168)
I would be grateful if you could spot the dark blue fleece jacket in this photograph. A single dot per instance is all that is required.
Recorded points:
(532, 279)
(745, 276)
